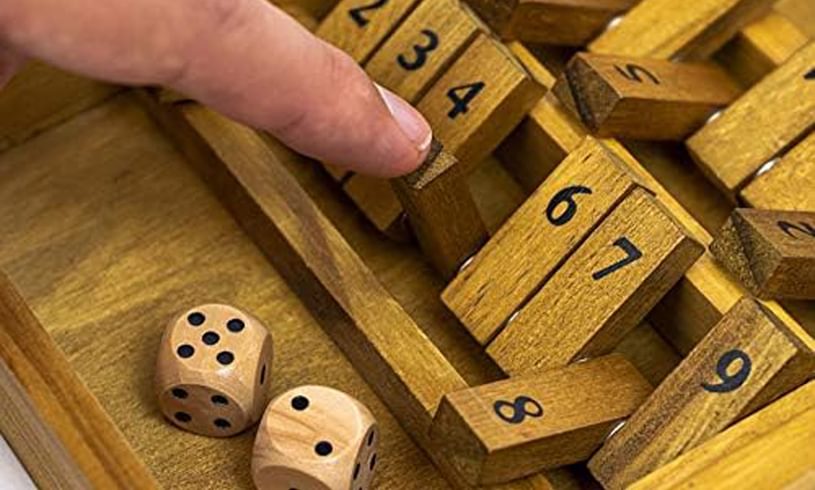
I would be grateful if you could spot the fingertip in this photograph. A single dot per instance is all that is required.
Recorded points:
(410, 121)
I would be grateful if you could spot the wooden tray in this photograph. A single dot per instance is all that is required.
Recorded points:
(108, 230)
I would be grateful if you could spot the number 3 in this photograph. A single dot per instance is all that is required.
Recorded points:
(421, 52)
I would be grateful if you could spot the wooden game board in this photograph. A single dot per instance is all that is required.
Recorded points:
(119, 210)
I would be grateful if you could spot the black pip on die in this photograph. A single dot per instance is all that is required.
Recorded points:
(213, 368)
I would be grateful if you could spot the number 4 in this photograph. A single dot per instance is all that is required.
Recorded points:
(461, 103)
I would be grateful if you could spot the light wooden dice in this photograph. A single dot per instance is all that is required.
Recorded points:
(213, 369)
(315, 438)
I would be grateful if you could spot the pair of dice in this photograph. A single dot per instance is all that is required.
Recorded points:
(212, 378)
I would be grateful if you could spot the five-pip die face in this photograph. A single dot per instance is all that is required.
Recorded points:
(213, 370)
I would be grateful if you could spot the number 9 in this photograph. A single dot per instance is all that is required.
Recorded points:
(730, 383)
(565, 195)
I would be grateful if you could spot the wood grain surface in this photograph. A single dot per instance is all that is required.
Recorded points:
(600, 292)
(682, 469)
(747, 360)
(62, 434)
(397, 359)
(508, 429)
(771, 252)
(643, 99)
(423, 47)
(668, 29)
(788, 184)
(441, 210)
(562, 22)
(105, 270)
(731, 149)
(530, 247)
(359, 30)
(41, 96)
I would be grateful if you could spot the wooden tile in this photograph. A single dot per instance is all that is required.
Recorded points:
(667, 29)
(470, 109)
(441, 211)
(788, 184)
(423, 47)
(760, 48)
(359, 27)
(743, 434)
(550, 21)
(601, 292)
(770, 252)
(641, 98)
(783, 458)
(536, 240)
(508, 429)
(748, 359)
(769, 118)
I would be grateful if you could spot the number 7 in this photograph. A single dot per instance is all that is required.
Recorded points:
(632, 255)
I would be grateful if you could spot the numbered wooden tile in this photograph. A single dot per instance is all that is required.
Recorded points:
(666, 29)
(423, 47)
(768, 119)
(538, 237)
(748, 359)
(681, 470)
(770, 252)
(550, 21)
(641, 98)
(788, 184)
(441, 211)
(601, 292)
(508, 429)
(359, 27)
(470, 109)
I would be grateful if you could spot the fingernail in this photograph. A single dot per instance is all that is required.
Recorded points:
(412, 123)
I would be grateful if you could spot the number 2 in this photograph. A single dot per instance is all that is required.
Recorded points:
(632, 255)
(461, 104)
(421, 52)
(357, 12)
(632, 72)
(730, 383)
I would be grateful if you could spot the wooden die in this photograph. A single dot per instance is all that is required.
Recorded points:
(315, 438)
(213, 368)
